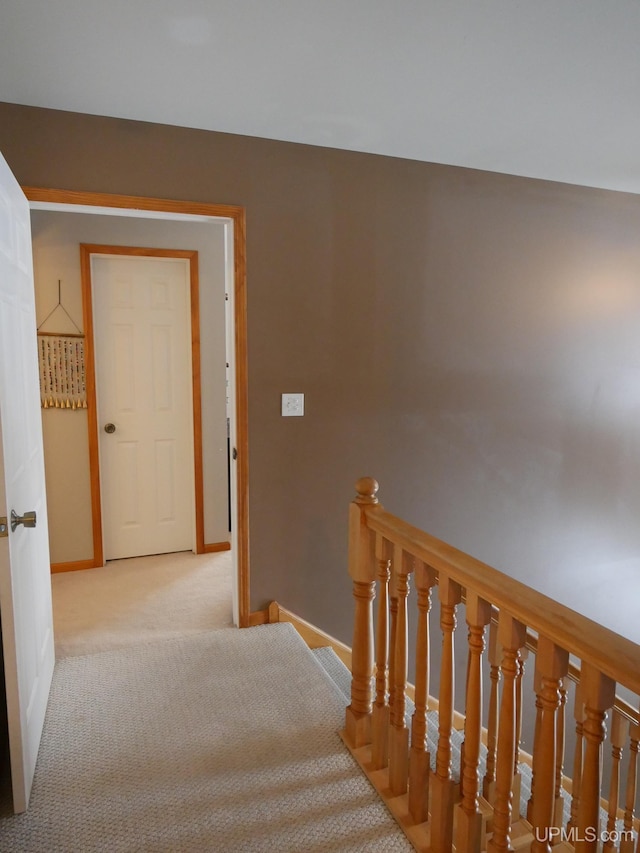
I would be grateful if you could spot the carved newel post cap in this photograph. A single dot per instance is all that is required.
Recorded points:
(366, 487)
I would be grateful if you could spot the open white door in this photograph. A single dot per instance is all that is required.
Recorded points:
(25, 581)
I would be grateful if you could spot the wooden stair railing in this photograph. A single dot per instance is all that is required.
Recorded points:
(473, 803)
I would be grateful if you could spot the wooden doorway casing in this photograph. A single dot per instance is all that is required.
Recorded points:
(236, 216)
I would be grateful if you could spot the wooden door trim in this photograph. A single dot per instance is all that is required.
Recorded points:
(92, 411)
(87, 250)
(238, 218)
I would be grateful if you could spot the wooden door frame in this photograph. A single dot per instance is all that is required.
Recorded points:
(87, 250)
(237, 217)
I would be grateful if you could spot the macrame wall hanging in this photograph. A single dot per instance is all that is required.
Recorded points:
(62, 369)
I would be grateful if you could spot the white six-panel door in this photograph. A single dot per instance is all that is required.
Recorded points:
(25, 581)
(142, 331)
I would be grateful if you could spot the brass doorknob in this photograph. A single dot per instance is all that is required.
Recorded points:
(109, 428)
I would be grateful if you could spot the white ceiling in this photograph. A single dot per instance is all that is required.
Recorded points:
(542, 88)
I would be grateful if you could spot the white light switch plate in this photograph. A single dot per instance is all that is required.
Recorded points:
(292, 405)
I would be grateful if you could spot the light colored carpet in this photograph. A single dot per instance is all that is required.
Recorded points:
(219, 741)
(140, 600)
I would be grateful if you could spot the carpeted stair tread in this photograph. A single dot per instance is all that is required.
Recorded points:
(335, 669)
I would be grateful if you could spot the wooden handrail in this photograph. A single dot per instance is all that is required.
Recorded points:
(450, 805)
(612, 654)
(628, 711)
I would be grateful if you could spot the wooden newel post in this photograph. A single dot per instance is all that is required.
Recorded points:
(362, 569)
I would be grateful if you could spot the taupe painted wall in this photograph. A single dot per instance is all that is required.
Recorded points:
(56, 238)
(470, 339)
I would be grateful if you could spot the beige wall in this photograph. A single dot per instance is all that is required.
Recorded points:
(56, 239)
(470, 339)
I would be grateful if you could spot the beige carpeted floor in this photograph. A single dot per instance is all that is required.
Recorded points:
(168, 730)
(140, 600)
(214, 740)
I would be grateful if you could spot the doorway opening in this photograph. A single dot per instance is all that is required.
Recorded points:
(231, 220)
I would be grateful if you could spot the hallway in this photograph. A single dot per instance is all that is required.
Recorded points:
(140, 600)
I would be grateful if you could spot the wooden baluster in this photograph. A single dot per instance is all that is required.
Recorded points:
(469, 820)
(558, 811)
(419, 758)
(393, 628)
(626, 843)
(619, 735)
(552, 663)
(399, 733)
(462, 745)
(442, 785)
(380, 714)
(494, 655)
(517, 779)
(512, 637)
(598, 692)
(576, 779)
(537, 687)
(519, 700)
(362, 571)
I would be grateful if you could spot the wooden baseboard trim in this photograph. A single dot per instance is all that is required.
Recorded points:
(214, 547)
(313, 637)
(258, 617)
(76, 566)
